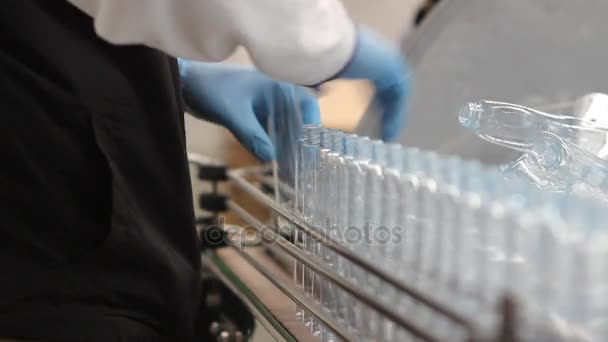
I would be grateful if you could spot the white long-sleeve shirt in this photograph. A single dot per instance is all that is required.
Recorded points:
(299, 41)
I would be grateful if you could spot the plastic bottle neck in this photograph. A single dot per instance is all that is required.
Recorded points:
(349, 145)
(313, 135)
(510, 125)
(337, 142)
(378, 153)
(394, 156)
(363, 149)
(325, 139)
(411, 161)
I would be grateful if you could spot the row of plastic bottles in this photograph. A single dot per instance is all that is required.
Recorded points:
(452, 229)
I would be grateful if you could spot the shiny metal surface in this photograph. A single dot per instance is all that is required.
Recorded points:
(260, 316)
(296, 296)
(319, 268)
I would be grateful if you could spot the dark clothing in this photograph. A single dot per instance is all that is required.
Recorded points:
(96, 215)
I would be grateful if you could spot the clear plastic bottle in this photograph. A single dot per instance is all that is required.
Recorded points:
(391, 196)
(446, 173)
(387, 238)
(556, 165)
(298, 267)
(493, 248)
(409, 210)
(520, 222)
(517, 199)
(511, 125)
(323, 173)
(450, 193)
(345, 191)
(330, 292)
(374, 215)
(356, 223)
(429, 213)
(417, 215)
(374, 190)
(432, 210)
(521, 171)
(334, 203)
(301, 175)
(489, 247)
(563, 163)
(284, 131)
(374, 179)
(331, 201)
(545, 261)
(471, 185)
(464, 274)
(369, 161)
(357, 179)
(310, 161)
(320, 216)
(435, 209)
(408, 214)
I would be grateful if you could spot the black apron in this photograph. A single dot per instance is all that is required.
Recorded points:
(97, 239)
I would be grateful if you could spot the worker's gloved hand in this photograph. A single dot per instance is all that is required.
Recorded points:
(242, 99)
(380, 62)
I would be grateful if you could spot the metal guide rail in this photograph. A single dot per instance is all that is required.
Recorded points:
(253, 181)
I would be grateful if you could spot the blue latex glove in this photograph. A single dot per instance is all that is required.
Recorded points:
(242, 99)
(380, 62)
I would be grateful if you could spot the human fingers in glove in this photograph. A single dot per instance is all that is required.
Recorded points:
(241, 99)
